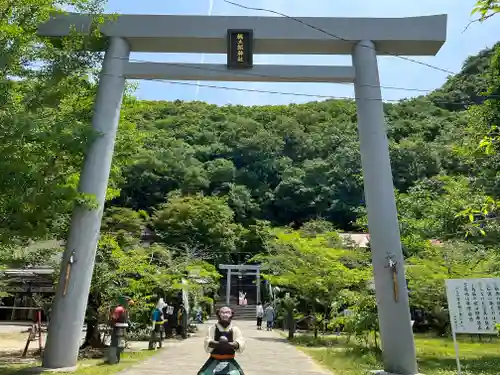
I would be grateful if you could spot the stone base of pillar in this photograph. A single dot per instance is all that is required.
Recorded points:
(382, 372)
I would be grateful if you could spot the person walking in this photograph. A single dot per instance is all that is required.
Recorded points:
(269, 317)
(260, 315)
(157, 324)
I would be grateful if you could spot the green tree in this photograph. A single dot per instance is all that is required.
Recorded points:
(125, 224)
(44, 121)
(312, 269)
(144, 274)
(481, 144)
(203, 224)
(486, 9)
(428, 271)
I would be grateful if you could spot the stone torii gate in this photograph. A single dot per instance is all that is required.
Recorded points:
(362, 38)
(241, 270)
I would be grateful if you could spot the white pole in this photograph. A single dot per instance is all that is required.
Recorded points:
(257, 281)
(394, 314)
(70, 301)
(228, 287)
(457, 353)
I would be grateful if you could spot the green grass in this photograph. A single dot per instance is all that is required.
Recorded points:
(85, 367)
(436, 356)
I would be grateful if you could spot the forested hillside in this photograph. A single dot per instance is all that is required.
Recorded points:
(220, 175)
(285, 164)
(291, 164)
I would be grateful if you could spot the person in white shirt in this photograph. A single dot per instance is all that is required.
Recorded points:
(260, 315)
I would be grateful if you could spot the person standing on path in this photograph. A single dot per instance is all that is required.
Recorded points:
(269, 317)
(169, 321)
(167, 311)
(119, 323)
(157, 323)
(260, 315)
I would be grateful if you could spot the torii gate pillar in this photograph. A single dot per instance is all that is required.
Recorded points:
(70, 302)
(394, 316)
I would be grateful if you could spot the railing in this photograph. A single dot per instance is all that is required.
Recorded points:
(30, 314)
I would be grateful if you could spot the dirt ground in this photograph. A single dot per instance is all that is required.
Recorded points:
(14, 337)
(13, 340)
(12, 343)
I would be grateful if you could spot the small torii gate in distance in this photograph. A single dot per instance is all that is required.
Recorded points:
(241, 270)
(362, 38)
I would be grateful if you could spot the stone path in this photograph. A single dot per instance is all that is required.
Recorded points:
(266, 353)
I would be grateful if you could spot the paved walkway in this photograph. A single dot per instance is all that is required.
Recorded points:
(266, 353)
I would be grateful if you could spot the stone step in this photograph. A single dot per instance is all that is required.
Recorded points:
(237, 307)
(240, 312)
(251, 308)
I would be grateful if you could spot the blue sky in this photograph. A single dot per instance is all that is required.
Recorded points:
(393, 71)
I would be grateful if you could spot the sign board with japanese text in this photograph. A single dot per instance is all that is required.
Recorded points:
(239, 49)
(474, 305)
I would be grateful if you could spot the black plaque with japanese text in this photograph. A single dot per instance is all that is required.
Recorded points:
(239, 49)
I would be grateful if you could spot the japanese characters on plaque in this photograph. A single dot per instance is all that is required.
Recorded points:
(240, 49)
(474, 304)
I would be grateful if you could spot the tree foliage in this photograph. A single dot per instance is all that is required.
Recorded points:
(316, 269)
(313, 266)
(486, 9)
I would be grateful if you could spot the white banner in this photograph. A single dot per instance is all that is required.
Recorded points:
(185, 296)
(474, 305)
